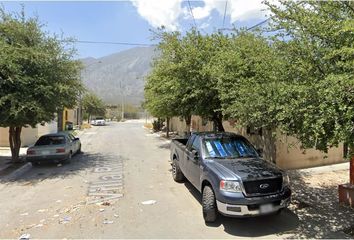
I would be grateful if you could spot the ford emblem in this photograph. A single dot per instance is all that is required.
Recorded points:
(264, 185)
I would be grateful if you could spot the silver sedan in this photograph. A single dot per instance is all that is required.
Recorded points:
(58, 147)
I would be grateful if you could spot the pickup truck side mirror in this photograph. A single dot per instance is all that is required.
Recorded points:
(195, 154)
(260, 152)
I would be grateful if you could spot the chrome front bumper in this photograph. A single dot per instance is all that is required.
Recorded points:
(243, 210)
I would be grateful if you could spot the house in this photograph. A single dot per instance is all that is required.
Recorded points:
(284, 151)
(29, 135)
(69, 117)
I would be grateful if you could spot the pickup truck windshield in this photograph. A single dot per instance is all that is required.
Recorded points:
(228, 148)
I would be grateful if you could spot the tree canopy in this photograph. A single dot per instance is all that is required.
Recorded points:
(315, 39)
(38, 76)
(180, 77)
(93, 105)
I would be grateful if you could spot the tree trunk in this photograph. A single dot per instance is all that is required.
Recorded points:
(188, 120)
(15, 142)
(88, 119)
(217, 122)
(352, 170)
(167, 127)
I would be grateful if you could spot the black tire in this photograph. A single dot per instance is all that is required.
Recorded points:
(210, 212)
(177, 174)
(279, 211)
(79, 150)
(68, 159)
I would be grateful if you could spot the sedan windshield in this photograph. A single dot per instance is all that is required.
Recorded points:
(228, 148)
(50, 140)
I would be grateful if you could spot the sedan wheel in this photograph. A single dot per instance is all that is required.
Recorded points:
(68, 159)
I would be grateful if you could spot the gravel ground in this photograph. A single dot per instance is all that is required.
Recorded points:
(315, 201)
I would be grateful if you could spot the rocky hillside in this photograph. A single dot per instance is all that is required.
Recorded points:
(119, 74)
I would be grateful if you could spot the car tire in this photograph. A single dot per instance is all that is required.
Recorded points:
(177, 173)
(79, 150)
(279, 211)
(68, 159)
(210, 212)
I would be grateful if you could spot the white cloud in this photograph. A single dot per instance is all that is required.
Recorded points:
(160, 12)
(209, 6)
(169, 12)
(204, 25)
(244, 10)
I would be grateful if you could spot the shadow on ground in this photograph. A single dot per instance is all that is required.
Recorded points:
(320, 214)
(254, 226)
(313, 213)
(165, 145)
(79, 163)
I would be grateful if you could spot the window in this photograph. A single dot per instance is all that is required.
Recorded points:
(50, 140)
(228, 148)
(71, 137)
(196, 144)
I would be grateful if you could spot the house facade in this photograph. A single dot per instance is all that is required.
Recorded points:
(29, 135)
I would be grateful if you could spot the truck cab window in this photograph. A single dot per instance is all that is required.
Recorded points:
(196, 144)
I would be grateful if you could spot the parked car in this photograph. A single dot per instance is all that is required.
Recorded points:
(59, 147)
(231, 175)
(98, 122)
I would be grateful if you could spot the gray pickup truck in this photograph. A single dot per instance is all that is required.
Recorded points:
(231, 175)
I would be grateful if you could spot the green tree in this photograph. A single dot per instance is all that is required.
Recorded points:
(165, 94)
(245, 68)
(315, 40)
(198, 53)
(38, 76)
(180, 83)
(93, 106)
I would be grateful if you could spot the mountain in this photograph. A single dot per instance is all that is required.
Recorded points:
(119, 74)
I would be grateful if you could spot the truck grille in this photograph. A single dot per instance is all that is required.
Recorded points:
(263, 186)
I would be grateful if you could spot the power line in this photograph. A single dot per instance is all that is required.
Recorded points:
(114, 43)
(191, 11)
(258, 24)
(248, 29)
(223, 21)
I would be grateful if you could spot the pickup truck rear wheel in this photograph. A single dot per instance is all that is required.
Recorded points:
(209, 205)
(177, 174)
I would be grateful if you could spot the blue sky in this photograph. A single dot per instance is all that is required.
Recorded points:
(130, 22)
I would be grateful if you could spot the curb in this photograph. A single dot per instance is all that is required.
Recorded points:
(18, 172)
(324, 169)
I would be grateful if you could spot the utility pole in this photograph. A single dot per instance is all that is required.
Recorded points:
(122, 98)
(80, 110)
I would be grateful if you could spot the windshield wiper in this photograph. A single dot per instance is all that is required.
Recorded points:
(217, 157)
(247, 156)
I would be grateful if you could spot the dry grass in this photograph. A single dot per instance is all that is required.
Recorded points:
(148, 125)
(85, 126)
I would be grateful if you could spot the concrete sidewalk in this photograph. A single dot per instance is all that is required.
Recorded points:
(9, 170)
(324, 169)
(6, 151)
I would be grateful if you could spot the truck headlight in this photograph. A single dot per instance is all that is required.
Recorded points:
(230, 186)
(286, 180)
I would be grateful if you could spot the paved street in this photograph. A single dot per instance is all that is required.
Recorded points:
(123, 164)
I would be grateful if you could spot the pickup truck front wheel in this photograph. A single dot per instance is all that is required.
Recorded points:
(209, 205)
(176, 172)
